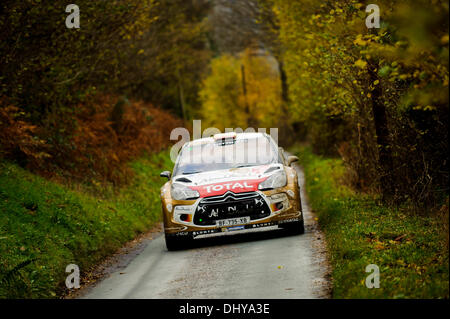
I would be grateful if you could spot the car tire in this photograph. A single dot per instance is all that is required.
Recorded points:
(178, 242)
(301, 227)
(296, 228)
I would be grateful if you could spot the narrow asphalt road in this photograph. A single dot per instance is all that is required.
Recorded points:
(266, 264)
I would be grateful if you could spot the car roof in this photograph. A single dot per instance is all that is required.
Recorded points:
(239, 136)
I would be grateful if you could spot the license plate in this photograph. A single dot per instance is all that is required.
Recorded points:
(232, 221)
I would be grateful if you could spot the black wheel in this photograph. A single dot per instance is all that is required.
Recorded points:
(301, 227)
(296, 228)
(178, 242)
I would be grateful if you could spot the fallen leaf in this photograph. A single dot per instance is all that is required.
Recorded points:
(399, 238)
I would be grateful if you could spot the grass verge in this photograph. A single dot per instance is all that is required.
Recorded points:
(409, 249)
(44, 226)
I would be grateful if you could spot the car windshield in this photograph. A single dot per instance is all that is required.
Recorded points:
(211, 156)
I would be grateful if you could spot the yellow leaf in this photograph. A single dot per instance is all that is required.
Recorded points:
(361, 64)
(360, 42)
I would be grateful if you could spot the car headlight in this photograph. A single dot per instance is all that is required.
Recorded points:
(182, 192)
(276, 180)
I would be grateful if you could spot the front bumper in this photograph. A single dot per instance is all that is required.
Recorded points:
(182, 218)
(186, 230)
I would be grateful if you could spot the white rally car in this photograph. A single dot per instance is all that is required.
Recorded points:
(230, 182)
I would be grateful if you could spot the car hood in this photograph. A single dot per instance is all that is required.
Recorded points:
(237, 180)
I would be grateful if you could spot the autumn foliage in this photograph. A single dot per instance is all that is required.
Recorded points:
(97, 142)
(377, 97)
(17, 137)
(111, 132)
(242, 91)
(62, 91)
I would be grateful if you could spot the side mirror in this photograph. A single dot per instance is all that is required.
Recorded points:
(166, 174)
(291, 159)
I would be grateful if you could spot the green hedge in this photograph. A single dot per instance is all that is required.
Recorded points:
(44, 226)
(409, 247)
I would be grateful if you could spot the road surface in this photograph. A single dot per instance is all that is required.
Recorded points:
(266, 264)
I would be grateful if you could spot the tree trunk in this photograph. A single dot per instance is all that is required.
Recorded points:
(182, 102)
(181, 97)
(382, 132)
(250, 119)
(286, 133)
(284, 85)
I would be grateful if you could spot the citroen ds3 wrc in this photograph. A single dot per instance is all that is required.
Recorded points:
(230, 182)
